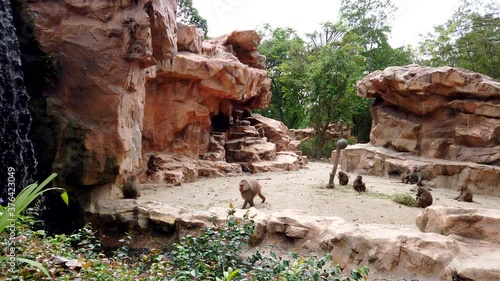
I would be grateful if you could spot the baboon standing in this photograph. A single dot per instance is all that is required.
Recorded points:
(416, 176)
(249, 189)
(358, 184)
(131, 189)
(465, 194)
(424, 197)
(343, 178)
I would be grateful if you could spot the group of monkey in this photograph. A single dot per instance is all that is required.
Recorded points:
(424, 196)
(249, 188)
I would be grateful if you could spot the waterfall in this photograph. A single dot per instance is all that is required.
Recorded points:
(17, 157)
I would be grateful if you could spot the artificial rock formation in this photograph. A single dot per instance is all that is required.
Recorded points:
(389, 251)
(136, 83)
(444, 120)
(446, 113)
(482, 224)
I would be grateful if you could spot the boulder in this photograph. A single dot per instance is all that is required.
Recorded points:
(189, 38)
(284, 161)
(446, 113)
(275, 131)
(485, 266)
(483, 224)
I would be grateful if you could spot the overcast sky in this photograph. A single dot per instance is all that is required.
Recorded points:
(414, 17)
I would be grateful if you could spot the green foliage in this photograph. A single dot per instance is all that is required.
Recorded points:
(24, 198)
(468, 40)
(369, 20)
(214, 255)
(187, 14)
(285, 57)
(332, 76)
(298, 268)
(309, 147)
(11, 215)
(214, 251)
(405, 199)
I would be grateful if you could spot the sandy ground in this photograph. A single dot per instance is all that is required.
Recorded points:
(306, 190)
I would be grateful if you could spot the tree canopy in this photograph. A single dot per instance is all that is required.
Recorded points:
(470, 39)
(314, 76)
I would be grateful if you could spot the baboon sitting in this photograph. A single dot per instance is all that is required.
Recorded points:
(465, 194)
(131, 189)
(343, 178)
(153, 164)
(424, 197)
(416, 176)
(405, 177)
(249, 189)
(358, 184)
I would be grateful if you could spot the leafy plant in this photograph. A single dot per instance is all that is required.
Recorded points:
(218, 248)
(19, 204)
(404, 199)
(273, 267)
(213, 255)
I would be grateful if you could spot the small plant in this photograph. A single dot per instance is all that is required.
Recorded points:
(216, 250)
(404, 199)
(20, 203)
(214, 255)
(299, 268)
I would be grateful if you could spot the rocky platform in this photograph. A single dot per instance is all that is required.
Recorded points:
(454, 244)
(378, 161)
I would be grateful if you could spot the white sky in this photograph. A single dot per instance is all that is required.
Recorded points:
(414, 17)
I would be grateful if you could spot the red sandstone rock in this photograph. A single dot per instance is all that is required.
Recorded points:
(379, 161)
(483, 224)
(446, 113)
(189, 38)
(134, 82)
(389, 251)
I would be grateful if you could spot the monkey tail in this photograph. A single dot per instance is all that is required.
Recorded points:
(262, 197)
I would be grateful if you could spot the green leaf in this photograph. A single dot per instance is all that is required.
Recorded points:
(65, 198)
(30, 262)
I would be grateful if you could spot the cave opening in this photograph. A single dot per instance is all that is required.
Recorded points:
(220, 123)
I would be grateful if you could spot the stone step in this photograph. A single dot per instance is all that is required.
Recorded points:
(236, 144)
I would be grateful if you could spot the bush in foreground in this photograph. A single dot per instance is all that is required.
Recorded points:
(214, 255)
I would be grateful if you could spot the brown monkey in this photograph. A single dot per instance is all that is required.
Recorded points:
(153, 164)
(358, 184)
(465, 194)
(424, 197)
(131, 189)
(248, 190)
(343, 178)
(405, 178)
(416, 176)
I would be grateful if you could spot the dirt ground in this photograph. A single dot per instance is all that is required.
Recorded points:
(306, 190)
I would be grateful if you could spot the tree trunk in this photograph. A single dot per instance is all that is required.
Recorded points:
(341, 144)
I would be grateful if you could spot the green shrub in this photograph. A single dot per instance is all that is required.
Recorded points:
(214, 255)
(310, 147)
(404, 199)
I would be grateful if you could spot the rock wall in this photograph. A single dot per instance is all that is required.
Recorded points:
(446, 121)
(446, 113)
(134, 81)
